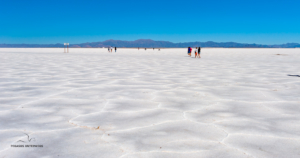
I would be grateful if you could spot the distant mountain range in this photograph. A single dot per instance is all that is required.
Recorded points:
(151, 44)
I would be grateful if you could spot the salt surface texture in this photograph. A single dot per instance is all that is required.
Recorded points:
(231, 103)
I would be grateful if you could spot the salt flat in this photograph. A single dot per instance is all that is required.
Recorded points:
(231, 103)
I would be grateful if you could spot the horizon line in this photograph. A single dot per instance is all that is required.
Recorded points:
(154, 41)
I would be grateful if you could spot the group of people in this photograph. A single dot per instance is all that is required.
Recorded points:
(111, 48)
(146, 48)
(197, 52)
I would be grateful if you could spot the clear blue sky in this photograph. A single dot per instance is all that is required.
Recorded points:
(54, 21)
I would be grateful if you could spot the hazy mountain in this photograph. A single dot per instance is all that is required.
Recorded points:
(150, 44)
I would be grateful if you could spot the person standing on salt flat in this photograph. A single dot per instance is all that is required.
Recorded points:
(108, 49)
(189, 51)
(199, 51)
(145, 48)
(115, 49)
(196, 53)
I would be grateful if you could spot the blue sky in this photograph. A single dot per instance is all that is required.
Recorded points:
(53, 21)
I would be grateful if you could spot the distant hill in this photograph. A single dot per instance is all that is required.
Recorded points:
(151, 44)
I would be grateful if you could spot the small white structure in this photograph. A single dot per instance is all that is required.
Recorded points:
(66, 44)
